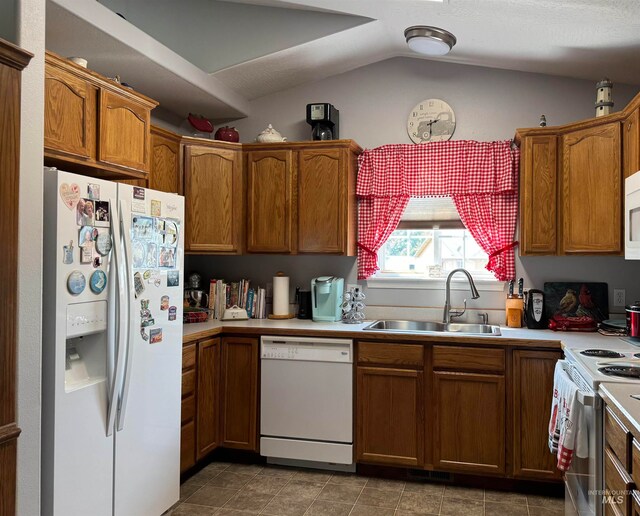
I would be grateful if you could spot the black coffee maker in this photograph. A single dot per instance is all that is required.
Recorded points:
(323, 119)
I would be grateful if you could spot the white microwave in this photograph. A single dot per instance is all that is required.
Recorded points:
(632, 217)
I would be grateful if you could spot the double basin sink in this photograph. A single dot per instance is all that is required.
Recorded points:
(433, 327)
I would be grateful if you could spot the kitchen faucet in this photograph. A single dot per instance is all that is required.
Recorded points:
(448, 313)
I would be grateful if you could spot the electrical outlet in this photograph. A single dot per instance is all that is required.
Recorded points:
(619, 297)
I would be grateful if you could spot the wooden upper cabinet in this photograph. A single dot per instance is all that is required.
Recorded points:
(532, 384)
(590, 186)
(69, 113)
(631, 144)
(93, 125)
(390, 416)
(213, 189)
(538, 196)
(124, 132)
(469, 422)
(270, 178)
(240, 393)
(165, 173)
(322, 198)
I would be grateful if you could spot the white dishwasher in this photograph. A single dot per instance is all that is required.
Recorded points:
(306, 400)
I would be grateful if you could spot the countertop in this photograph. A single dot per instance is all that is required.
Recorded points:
(544, 338)
(619, 394)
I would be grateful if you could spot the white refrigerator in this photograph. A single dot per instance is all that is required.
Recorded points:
(112, 347)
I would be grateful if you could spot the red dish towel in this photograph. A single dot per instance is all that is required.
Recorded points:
(567, 430)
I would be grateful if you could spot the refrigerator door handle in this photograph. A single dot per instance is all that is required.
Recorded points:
(128, 295)
(118, 317)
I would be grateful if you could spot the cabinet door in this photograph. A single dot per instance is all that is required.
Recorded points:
(538, 195)
(469, 422)
(322, 195)
(213, 199)
(208, 396)
(270, 201)
(69, 114)
(165, 162)
(240, 393)
(124, 131)
(390, 416)
(187, 445)
(591, 202)
(532, 390)
(631, 144)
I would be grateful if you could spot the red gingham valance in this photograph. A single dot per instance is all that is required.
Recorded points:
(481, 177)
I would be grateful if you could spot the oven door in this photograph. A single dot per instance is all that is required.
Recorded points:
(584, 480)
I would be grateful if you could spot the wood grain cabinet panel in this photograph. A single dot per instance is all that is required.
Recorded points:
(591, 180)
(635, 502)
(618, 486)
(187, 446)
(69, 113)
(165, 174)
(631, 144)
(94, 126)
(208, 395)
(270, 202)
(469, 421)
(213, 199)
(124, 132)
(12, 61)
(390, 416)
(322, 196)
(532, 384)
(618, 438)
(240, 393)
(538, 164)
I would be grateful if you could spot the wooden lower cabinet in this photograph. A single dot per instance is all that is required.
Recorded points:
(188, 415)
(208, 394)
(239, 407)
(469, 422)
(390, 416)
(635, 503)
(532, 387)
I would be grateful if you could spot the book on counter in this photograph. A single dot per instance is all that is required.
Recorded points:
(223, 295)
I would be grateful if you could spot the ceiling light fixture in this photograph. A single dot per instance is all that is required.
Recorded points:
(430, 41)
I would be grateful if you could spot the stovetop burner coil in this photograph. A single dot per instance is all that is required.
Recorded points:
(601, 353)
(624, 371)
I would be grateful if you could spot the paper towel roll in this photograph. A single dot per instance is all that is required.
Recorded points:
(280, 295)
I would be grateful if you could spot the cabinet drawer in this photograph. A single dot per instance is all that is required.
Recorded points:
(468, 359)
(635, 503)
(187, 446)
(188, 409)
(189, 356)
(635, 462)
(390, 354)
(617, 436)
(618, 484)
(188, 382)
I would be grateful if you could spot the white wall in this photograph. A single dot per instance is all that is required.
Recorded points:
(31, 19)
(374, 102)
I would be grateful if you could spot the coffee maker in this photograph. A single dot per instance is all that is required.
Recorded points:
(323, 119)
(326, 298)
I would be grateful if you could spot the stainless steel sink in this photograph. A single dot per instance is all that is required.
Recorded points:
(432, 326)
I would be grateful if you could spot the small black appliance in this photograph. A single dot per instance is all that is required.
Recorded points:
(534, 310)
(304, 304)
(324, 121)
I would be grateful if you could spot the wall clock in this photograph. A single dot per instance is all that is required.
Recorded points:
(432, 120)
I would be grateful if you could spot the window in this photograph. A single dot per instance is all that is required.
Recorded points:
(430, 242)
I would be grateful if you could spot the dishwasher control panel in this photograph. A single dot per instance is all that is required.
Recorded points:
(315, 350)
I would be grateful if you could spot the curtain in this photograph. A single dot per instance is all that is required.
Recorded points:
(481, 177)
(378, 217)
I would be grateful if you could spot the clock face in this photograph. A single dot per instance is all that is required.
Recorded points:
(432, 120)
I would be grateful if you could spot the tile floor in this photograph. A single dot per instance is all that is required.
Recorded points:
(222, 488)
